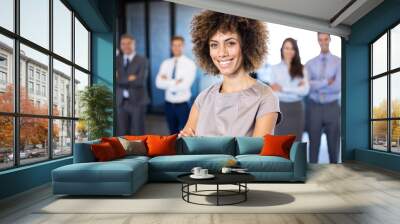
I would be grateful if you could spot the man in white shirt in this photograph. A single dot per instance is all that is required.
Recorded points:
(176, 76)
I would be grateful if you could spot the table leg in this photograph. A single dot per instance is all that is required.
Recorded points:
(217, 194)
(196, 187)
(245, 193)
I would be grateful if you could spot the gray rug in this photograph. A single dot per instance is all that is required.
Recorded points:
(166, 198)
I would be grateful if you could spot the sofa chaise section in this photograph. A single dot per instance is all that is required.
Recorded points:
(87, 177)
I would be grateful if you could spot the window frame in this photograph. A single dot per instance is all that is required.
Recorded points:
(388, 74)
(16, 115)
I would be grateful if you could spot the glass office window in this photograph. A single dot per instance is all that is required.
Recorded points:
(62, 137)
(6, 142)
(395, 136)
(33, 140)
(379, 97)
(62, 91)
(6, 74)
(379, 56)
(395, 95)
(81, 82)
(81, 45)
(41, 135)
(379, 133)
(395, 47)
(62, 29)
(7, 14)
(385, 94)
(34, 21)
(40, 62)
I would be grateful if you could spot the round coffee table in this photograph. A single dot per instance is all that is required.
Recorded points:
(238, 179)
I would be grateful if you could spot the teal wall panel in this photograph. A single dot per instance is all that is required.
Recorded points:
(356, 121)
(24, 178)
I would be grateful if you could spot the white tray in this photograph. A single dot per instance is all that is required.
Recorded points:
(208, 176)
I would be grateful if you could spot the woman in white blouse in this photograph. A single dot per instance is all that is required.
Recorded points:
(289, 81)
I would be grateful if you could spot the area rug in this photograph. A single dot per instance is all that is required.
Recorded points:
(167, 198)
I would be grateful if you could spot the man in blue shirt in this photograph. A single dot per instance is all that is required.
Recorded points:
(323, 109)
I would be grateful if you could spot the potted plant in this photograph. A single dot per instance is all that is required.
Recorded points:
(96, 103)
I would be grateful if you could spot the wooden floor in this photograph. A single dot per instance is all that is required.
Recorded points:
(378, 189)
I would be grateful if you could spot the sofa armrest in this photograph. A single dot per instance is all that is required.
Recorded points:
(298, 155)
(83, 152)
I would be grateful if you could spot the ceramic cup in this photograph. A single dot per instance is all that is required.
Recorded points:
(226, 170)
(203, 172)
(196, 171)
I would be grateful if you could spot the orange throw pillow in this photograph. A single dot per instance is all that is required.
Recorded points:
(135, 137)
(103, 151)
(116, 145)
(161, 145)
(277, 145)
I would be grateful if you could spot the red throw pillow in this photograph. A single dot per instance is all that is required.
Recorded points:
(116, 145)
(161, 145)
(103, 151)
(277, 145)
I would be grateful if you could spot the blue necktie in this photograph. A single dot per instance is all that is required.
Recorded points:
(126, 64)
(174, 72)
(322, 76)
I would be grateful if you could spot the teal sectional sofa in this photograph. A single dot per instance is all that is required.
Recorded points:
(125, 176)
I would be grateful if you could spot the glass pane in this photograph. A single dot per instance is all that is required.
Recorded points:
(379, 135)
(395, 94)
(379, 97)
(34, 97)
(395, 136)
(7, 14)
(33, 139)
(81, 45)
(81, 81)
(379, 55)
(62, 89)
(395, 47)
(81, 131)
(6, 142)
(62, 141)
(35, 21)
(6, 74)
(62, 29)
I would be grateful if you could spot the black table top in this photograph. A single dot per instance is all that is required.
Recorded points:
(220, 178)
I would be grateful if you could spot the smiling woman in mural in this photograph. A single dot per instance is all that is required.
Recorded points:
(240, 105)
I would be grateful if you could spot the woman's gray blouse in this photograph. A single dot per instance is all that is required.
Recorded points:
(233, 114)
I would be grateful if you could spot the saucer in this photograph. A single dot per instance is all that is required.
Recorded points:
(208, 176)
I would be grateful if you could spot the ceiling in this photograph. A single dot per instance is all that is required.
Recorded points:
(332, 16)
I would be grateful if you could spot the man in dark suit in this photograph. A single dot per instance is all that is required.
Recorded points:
(132, 96)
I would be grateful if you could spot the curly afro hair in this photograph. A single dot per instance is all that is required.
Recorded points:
(253, 38)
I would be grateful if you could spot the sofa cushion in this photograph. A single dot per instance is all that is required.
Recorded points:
(112, 171)
(206, 145)
(185, 163)
(134, 147)
(83, 152)
(257, 163)
(277, 145)
(103, 152)
(116, 145)
(249, 145)
(160, 145)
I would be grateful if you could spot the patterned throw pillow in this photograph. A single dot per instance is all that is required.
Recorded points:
(133, 147)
